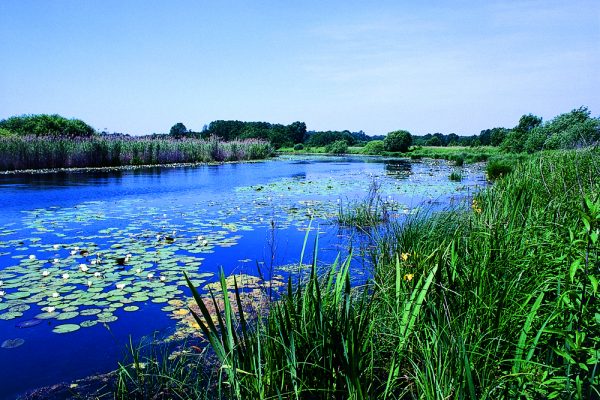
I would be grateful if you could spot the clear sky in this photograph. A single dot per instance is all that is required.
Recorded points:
(426, 66)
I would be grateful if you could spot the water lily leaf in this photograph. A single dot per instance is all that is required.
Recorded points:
(47, 315)
(90, 311)
(19, 308)
(67, 315)
(11, 315)
(87, 324)
(106, 318)
(66, 328)
(131, 308)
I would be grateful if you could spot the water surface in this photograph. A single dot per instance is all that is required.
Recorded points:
(89, 258)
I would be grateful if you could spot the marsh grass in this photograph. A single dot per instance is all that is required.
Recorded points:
(497, 300)
(151, 370)
(366, 213)
(455, 176)
(30, 152)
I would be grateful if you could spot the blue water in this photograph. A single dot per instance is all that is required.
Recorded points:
(250, 213)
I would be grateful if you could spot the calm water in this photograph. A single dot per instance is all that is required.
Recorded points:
(70, 301)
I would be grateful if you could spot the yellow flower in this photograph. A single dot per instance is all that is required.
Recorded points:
(404, 256)
(409, 277)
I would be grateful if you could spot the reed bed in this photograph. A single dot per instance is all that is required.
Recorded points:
(497, 300)
(31, 152)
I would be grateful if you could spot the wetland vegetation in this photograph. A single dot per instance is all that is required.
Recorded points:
(438, 287)
(498, 300)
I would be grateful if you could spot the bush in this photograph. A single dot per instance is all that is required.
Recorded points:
(47, 125)
(455, 176)
(298, 147)
(375, 147)
(499, 167)
(337, 147)
(398, 141)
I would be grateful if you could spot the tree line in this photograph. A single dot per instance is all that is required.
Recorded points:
(576, 128)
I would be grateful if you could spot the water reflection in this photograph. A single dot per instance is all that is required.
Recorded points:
(399, 169)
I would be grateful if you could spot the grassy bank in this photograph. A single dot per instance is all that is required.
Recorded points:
(30, 152)
(498, 300)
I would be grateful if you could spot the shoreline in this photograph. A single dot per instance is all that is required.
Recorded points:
(124, 167)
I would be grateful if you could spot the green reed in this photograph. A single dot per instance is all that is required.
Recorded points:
(18, 153)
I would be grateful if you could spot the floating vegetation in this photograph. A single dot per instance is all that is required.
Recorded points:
(66, 328)
(84, 262)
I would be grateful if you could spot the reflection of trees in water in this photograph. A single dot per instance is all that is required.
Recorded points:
(399, 169)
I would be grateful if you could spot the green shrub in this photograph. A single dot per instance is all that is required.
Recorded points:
(498, 167)
(337, 147)
(374, 147)
(298, 147)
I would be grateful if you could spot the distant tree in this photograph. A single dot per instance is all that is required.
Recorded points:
(497, 136)
(434, 141)
(297, 132)
(516, 138)
(178, 130)
(398, 141)
(47, 125)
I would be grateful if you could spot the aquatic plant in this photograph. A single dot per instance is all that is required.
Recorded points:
(33, 152)
(369, 212)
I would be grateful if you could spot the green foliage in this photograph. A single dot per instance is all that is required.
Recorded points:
(499, 166)
(455, 176)
(375, 147)
(398, 141)
(371, 211)
(150, 372)
(279, 135)
(337, 147)
(46, 125)
(298, 147)
(178, 130)
(434, 141)
(5, 132)
(569, 130)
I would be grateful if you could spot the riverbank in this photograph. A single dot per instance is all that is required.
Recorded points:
(497, 301)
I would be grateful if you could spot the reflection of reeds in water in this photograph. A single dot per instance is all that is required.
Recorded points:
(17, 152)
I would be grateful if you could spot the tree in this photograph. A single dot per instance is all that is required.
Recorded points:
(516, 138)
(398, 141)
(47, 125)
(178, 130)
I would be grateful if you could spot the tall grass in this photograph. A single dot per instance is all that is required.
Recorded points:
(18, 153)
(369, 212)
(497, 301)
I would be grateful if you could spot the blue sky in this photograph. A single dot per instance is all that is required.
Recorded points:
(141, 66)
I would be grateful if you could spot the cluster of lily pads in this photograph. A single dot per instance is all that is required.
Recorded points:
(81, 266)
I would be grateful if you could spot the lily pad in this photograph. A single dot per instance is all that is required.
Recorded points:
(66, 328)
